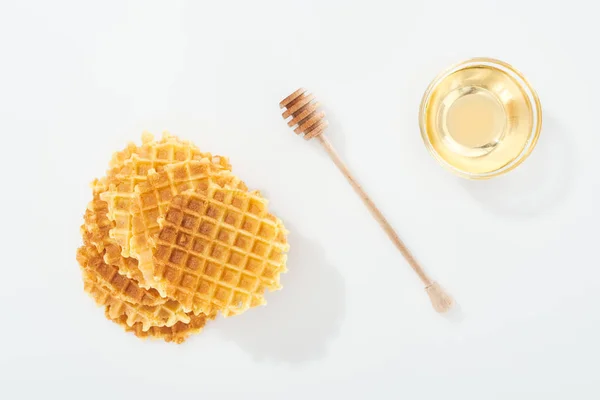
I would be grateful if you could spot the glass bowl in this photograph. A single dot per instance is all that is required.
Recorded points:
(480, 118)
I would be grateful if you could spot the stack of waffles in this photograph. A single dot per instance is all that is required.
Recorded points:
(172, 238)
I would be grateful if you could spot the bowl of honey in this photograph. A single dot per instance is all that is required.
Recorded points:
(480, 118)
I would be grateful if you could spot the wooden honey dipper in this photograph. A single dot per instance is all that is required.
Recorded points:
(310, 122)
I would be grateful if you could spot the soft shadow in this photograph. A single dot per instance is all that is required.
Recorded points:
(300, 320)
(541, 183)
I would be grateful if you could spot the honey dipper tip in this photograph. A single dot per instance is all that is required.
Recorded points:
(305, 115)
(440, 300)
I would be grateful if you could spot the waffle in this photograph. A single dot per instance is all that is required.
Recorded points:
(167, 314)
(115, 268)
(96, 225)
(153, 197)
(178, 333)
(219, 250)
(121, 287)
(130, 167)
(96, 232)
(171, 238)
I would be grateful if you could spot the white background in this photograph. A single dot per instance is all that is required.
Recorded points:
(78, 80)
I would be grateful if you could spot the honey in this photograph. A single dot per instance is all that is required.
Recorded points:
(480, 118)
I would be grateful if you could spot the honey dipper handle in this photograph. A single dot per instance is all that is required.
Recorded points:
(379, 217)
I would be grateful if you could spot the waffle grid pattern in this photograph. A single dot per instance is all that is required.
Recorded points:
(153, 198)
(130, 167)
(219, 249)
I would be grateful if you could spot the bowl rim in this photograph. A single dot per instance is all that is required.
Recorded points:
(530, 94)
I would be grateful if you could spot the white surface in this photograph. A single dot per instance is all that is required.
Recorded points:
(77, 81)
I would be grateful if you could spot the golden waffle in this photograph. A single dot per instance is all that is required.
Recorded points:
(130, 167)
(167, 314)
(115, 268)
(96, 225)
(90, 259)
(96, 231)
(218, 250)
(153, 197)
(168, 219)
(178, 333)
